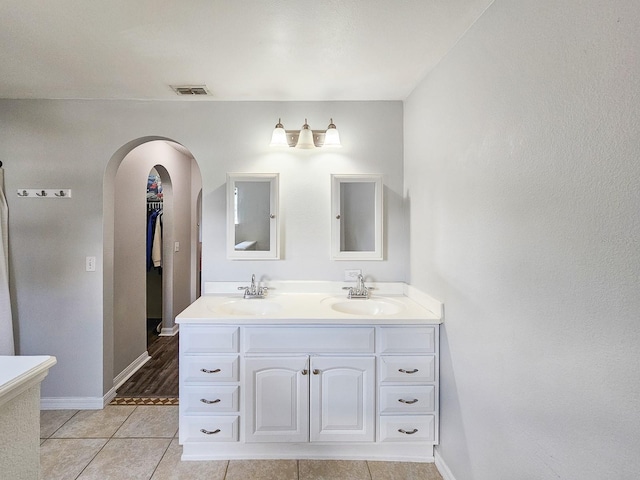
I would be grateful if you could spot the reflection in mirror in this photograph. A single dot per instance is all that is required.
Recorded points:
(252, 217)
(357, 217)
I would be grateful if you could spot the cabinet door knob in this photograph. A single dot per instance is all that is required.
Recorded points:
(209, 402)
(316, 371)
(415, 430)
(305, 371)
(210, 371)
(207, 432)
(410, 402)
(402, 370)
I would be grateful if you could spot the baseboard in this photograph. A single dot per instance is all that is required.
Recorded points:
(130, 370)
(110, 395)
(94, 403)
(71, 403)
(442, 466)
(169, 332)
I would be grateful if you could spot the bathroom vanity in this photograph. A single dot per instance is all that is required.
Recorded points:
(309, 375)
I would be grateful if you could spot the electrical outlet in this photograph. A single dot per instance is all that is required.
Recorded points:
(351, 275)
(90, 264)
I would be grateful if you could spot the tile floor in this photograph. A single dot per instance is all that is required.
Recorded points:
(140, 443)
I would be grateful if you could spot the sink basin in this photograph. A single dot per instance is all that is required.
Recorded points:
(369, 306)
(249, 307)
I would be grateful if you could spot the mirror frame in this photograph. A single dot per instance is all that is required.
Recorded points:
(274, 231)
(336, 224)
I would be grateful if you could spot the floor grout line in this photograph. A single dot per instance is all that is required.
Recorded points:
(160, 461)
(63, 424)
(105, 444)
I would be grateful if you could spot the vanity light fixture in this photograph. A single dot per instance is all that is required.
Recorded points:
(305, 138)
(279, 136)
(331, 136)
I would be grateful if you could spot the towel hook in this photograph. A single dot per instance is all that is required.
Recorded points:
(61, 194)
(23, 194)
(42, 193)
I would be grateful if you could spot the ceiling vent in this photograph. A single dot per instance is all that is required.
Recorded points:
(190, 89)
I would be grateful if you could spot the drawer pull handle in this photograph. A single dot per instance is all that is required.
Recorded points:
(402, 370)
(415, 430)
(410, 402)
(210, 371)
(209, 402)
(316, 371)
(207, 432)
(305, 371)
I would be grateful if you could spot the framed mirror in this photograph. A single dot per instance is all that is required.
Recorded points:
(356, 222)
(252, 216)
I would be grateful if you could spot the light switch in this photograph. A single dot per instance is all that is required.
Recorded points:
(176, 247)
(90, 264)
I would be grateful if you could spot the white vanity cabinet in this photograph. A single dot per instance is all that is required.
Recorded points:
(408, 379)
(209, 384)
(298, 390)
(343, 393)
(277, 399)
(310, 399)
(315, 397)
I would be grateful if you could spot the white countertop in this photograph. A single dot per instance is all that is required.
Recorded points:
(18, 373)
(306, 308)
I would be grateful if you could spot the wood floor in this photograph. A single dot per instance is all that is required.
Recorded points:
(159, 376)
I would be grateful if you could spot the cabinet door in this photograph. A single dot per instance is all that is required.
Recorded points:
(342, 399)
(277, 399)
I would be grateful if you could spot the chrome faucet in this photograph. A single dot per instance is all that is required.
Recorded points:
(360, 290)
(254, 291)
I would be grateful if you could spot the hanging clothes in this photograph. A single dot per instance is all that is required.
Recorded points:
(151, 226)
(156, 248)
(7, 346)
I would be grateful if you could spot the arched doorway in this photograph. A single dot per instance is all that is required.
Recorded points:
(125, 238)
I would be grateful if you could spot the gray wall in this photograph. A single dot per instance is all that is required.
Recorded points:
(59, 307)
(522, 169)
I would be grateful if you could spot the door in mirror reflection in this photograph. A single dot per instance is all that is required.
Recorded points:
(356, 217)
(252, 217)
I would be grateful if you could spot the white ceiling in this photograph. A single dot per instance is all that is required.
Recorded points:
(241, 49)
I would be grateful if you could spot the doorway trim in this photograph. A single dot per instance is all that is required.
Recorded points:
(109, 259)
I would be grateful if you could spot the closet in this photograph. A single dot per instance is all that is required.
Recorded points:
(154, 255)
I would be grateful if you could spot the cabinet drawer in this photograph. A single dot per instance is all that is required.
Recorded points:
(407, 340)
(204, 339)
(407, 399)
(210, 399)
(309, 339)
(415, 369)
(209, 429)
(210, 369)
(407, 428)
